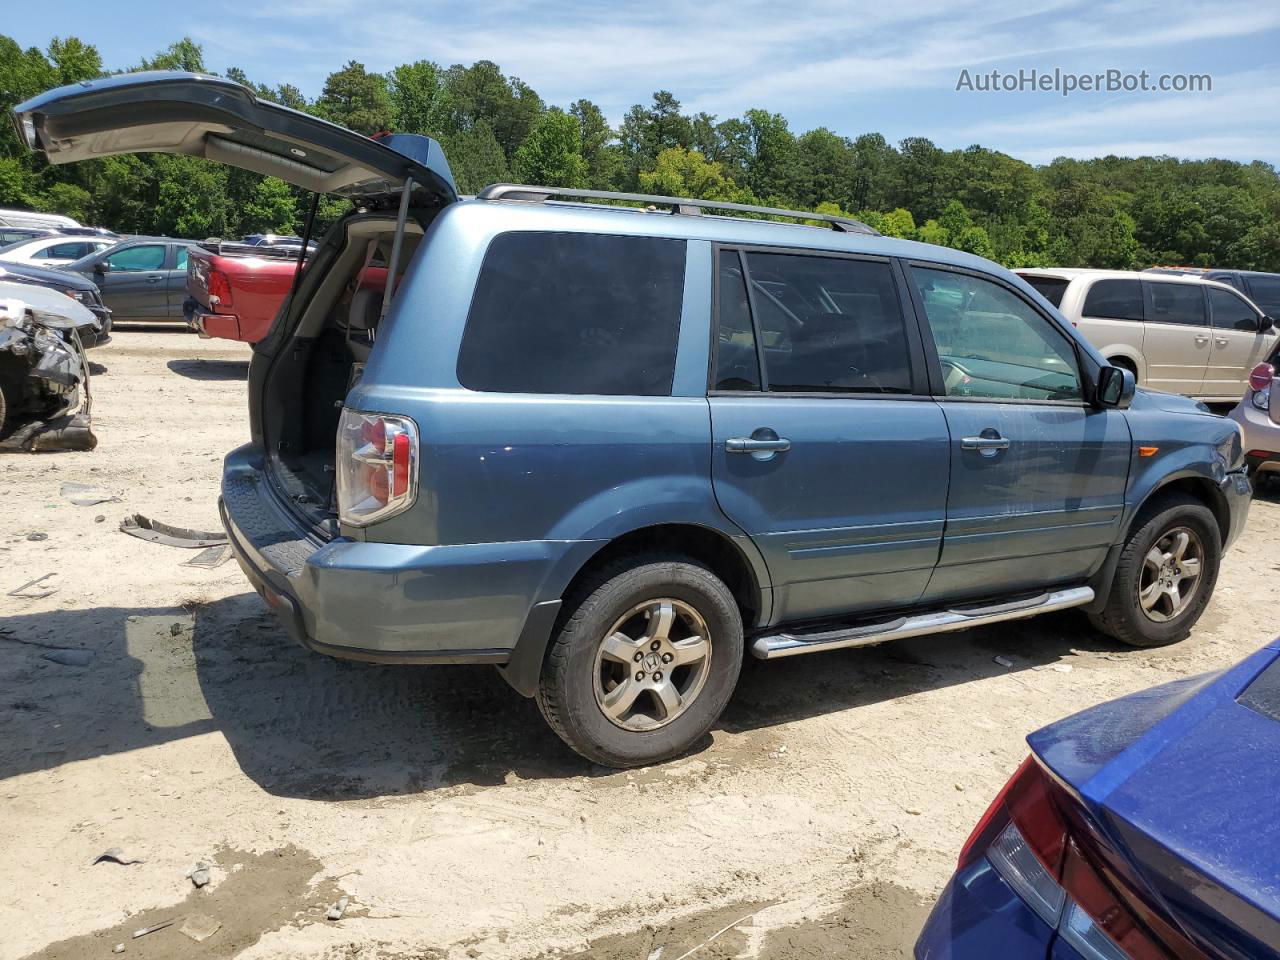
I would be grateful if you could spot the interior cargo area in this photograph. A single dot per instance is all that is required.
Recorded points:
(313, 367)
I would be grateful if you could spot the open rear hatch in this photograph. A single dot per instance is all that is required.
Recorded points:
(302, 370)
(203, 116)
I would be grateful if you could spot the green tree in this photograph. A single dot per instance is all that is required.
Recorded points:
(186, 54)
(595, 138)
(551, 154)
(74, 60)
(685, 173)
(420, 99)
(476, 158)
(356, 99)
(481, 93)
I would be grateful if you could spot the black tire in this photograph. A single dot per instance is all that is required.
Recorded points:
(567, 690)
(1123, 617)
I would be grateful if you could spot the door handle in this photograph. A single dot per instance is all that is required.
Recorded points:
(1202, 340)
(750, 445)
(1220, 341)
(154, 279)
(988, 444)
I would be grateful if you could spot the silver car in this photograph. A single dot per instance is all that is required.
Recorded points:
(1258, 414)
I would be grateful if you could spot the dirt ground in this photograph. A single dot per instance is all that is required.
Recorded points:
(820, 819)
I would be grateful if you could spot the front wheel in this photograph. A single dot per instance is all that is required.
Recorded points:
(1165, 577)
(646, 657)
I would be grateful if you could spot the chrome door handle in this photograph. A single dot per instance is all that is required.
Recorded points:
(984, 443)
(1220, 341)
(1202, 340)
(749, 445)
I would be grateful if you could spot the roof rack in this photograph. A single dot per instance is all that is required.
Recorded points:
(681, 206)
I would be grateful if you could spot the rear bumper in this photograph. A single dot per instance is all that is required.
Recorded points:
(979, 917)
(383, 602)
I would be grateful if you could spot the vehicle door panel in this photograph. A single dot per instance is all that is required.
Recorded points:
(133, 287)
(1037, 477)
(1177, 340)
(848, 508)
(1238, 346)
(175, 282)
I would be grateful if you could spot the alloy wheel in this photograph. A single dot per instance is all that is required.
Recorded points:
(1171, 574)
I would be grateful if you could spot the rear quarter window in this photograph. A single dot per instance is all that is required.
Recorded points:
(1114, 299)
(575, 313)
(1051, 288)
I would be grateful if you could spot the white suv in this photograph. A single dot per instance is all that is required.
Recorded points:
(1180, 334)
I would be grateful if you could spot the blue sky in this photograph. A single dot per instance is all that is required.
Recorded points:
(854, 67)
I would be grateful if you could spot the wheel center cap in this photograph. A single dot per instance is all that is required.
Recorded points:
(652, 662)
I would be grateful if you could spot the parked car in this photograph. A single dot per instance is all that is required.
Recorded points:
(33, 218)
(275, 240)
(142, 279)
(611, 450)
(1142, 828)
(1258, 414)
(53, 251)
(73, 285)
(56, 310)
(1262, 288)
(1174, 332)
(235, 289)
(9, 235)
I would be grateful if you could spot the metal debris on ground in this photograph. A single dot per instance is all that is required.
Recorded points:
(87, 494)
(154, 531)
(336, 911)
(37, 537)
(118, 948)
(69, 656)
(200, 927)
(31, 590)
(153, 928)
(1003, 661)
(199, 874)
(210, 557)
(116, 855)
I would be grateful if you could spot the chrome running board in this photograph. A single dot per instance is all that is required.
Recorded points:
(787, 644)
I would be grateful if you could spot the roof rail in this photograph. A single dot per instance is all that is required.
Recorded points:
(678, 205)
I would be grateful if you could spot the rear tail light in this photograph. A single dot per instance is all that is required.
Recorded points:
(377, 466)
(1261, 376)
(1027, 841)
(219, 286)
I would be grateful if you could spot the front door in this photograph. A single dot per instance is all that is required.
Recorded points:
(827, 449)
(1178, 340)
(133, 284)
(1238, 344)
(1038, 476)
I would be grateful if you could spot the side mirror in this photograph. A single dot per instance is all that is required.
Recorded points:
(1266, 323)
(101, 267)
(1116, 387)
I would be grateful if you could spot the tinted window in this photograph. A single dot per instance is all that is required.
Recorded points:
(1115, 299)
(1230, 312)
(181, 262)
(1176, 303)
(575, 313)
(991, 343)
(1266, 293)
(737, 364)
(68, 251)
(829, 325)
(1051, 288)
(147, 257)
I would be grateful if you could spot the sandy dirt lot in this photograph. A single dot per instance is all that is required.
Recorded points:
(819, 820)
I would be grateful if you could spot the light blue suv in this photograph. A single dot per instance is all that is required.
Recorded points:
(611, 448)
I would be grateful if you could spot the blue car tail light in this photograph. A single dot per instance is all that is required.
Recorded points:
(1040, 851)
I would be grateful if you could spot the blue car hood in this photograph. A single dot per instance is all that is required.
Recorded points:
(1145, 399)
(1183, 782)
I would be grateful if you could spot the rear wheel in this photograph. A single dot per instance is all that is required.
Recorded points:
(646, 657)
(1166, 575)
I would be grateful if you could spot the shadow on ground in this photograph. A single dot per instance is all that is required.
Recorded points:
(305, 725)
(210, 369)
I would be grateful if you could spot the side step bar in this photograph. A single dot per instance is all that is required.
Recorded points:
(774, 645)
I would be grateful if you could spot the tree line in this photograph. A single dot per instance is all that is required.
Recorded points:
(1117, 212)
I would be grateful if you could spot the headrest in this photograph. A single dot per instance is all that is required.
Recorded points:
(365, 307)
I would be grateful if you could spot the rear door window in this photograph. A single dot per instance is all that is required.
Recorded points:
(825, 325)
(1115, 300)
(575, 313)
(1231, 312)
(1180, 303)
(66, 251)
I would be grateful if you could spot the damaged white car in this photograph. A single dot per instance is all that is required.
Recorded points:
(44, 376)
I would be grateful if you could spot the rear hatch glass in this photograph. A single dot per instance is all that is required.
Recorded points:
(1051, 288)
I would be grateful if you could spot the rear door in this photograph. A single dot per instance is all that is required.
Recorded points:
(133, 283)
(175, 281)
(1111, 318)
(826, 447)
(1178, 340)
(1238, 344)
(1037, 475)
(172, 112)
